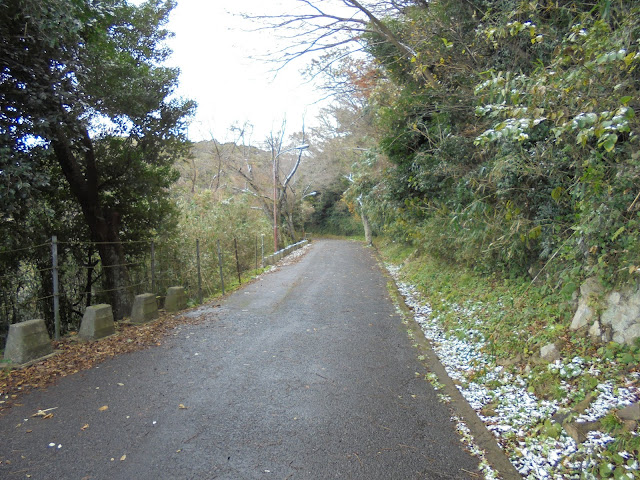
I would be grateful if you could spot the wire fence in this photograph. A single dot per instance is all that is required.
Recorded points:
(58, 280)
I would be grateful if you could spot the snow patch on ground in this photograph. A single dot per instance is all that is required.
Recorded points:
(517, 415)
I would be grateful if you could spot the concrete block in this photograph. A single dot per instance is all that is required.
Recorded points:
(145, 308)
(97, 322)
(27, 341)
(176, 299)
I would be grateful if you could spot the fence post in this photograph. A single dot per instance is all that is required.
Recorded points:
(199, 275)
(153, 266)
(56, 293)
(220, 265)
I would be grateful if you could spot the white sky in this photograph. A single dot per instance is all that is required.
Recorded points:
(212, 45)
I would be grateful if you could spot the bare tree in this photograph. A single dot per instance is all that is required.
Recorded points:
(263, 177)
(324, 25)
(219, 153)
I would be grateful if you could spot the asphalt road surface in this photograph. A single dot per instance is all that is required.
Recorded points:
(308, 373)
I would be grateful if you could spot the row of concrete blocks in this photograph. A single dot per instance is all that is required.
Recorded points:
(280, 254)
(29, 341)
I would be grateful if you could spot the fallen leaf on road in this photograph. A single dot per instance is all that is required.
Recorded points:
(102, 409)
(84, 427)
(44, 413)
(121, 384)
(123, 458)
(182, 407)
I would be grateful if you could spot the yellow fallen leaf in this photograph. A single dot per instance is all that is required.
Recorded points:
(121, 384)
(123, 458)
(102, 409)
(182, 407)
(84, 427)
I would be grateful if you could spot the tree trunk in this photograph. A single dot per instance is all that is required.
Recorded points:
(194, 175)
(367, 228)
(115, 271)
(81, 172)
(291, 231)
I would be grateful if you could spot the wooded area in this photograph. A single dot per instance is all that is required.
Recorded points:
(501, 135)
(88, 133)
(493, 144)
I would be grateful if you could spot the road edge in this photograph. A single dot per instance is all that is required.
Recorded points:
(482, 437)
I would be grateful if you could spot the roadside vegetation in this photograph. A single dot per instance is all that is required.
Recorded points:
(560, 419)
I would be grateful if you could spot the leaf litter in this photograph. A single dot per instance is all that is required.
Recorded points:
(75, 356)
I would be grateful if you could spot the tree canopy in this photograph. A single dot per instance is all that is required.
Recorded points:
(88, 117)
(510, 126)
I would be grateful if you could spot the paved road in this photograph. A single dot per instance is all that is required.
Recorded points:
(306, 374)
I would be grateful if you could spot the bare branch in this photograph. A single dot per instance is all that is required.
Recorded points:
(316, 29)
(295, 166)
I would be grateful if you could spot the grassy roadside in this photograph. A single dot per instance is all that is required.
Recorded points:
(518, 318)
(515, 319)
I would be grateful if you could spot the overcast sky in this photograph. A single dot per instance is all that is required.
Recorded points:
(212, 46)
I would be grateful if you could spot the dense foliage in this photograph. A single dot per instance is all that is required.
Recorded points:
(331, 215)
(88, 131)
(512, 134)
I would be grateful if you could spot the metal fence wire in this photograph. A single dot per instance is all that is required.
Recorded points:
(56, 281)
